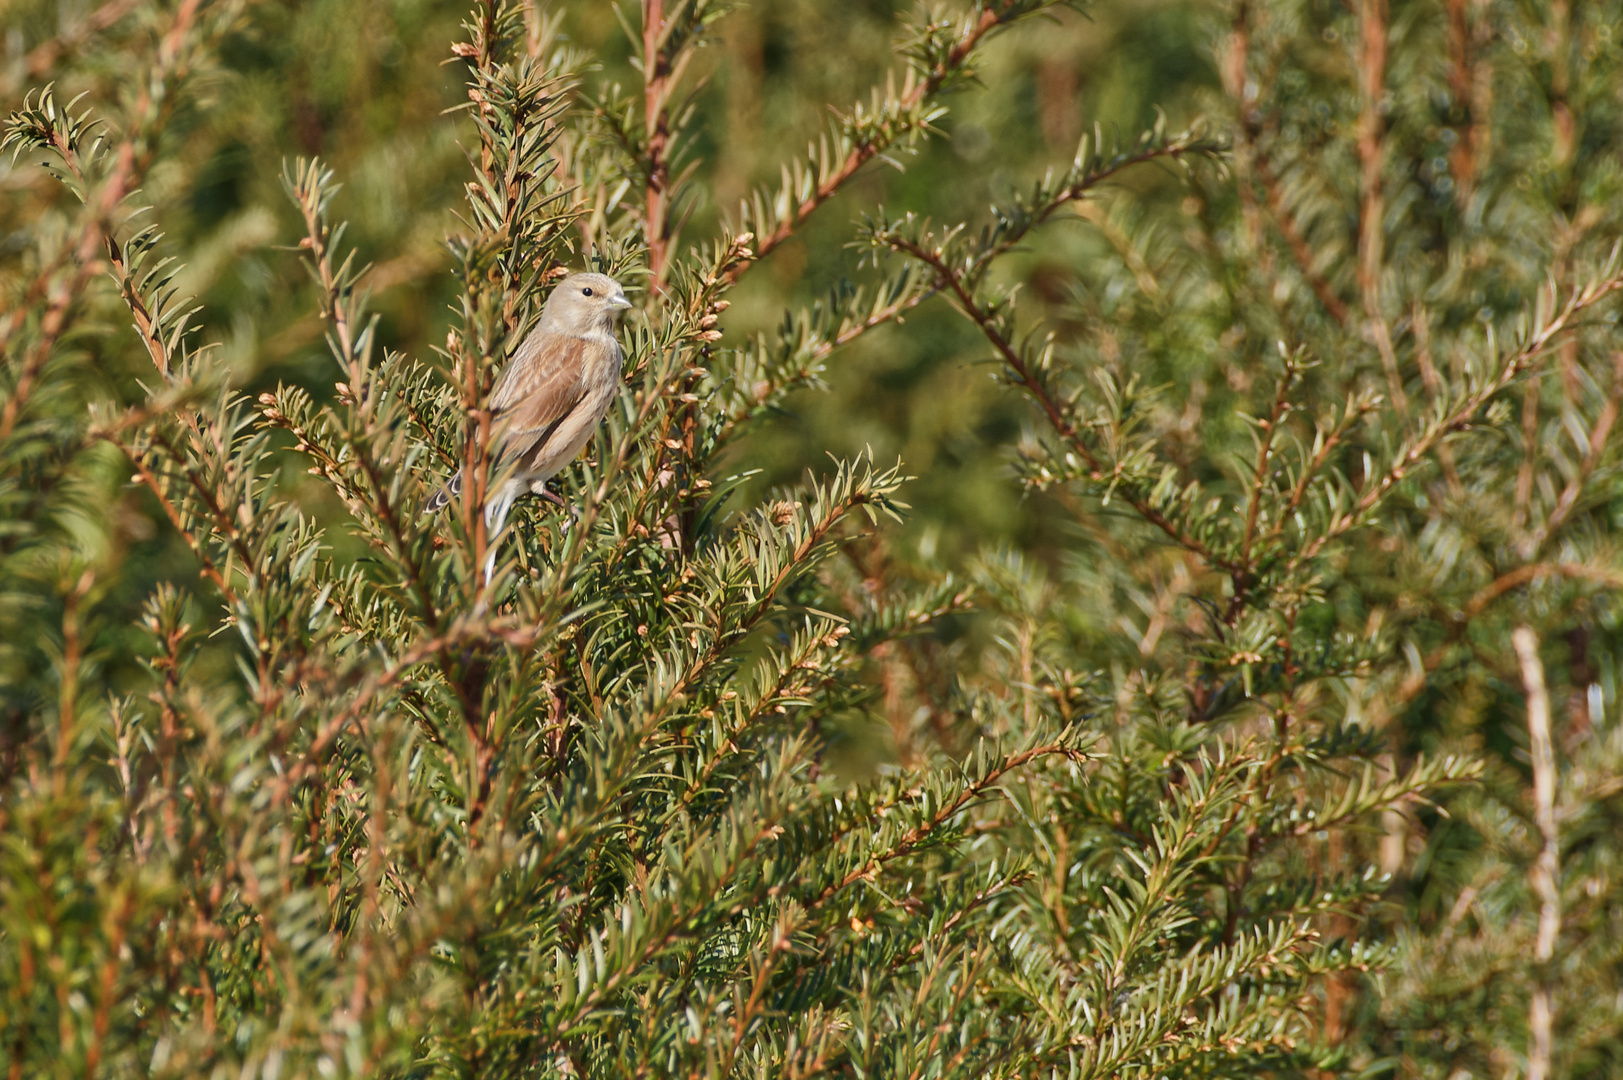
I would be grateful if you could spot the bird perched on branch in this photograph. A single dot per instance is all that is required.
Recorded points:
(551, 396)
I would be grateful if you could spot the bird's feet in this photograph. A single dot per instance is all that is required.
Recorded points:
(560, 503)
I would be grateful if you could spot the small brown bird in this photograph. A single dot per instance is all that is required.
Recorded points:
(552, 394)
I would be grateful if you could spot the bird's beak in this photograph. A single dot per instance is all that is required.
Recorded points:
(619, 303)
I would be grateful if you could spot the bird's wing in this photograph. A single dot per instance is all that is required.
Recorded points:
(539, 387)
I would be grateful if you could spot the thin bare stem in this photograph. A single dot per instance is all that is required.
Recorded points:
(1545, 870)
(1372, 25)
(656, 74)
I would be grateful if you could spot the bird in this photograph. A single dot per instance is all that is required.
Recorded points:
(550, 396)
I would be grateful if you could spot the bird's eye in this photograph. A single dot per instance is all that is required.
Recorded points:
(586, 292)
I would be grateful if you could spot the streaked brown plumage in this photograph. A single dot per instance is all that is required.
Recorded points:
(552, 394)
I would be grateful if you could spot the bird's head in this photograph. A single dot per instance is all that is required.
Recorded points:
(583, 303)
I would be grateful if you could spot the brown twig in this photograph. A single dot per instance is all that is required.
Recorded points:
(657, 79)
(1462, 84)
(1547, 867)
(1520, 576)
(1372, 156)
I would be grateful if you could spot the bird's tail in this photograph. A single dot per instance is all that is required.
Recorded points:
(442, 498)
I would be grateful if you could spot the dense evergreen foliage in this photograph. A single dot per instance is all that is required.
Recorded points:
(1223, 682)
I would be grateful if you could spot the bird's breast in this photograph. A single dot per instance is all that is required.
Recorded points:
(605, 358)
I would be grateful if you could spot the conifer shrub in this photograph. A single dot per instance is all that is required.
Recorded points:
(1326, 393)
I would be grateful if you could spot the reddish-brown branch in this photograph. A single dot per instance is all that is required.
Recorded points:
(1243, 91)
(656, 74)
(1462, 85)
(1372, 156)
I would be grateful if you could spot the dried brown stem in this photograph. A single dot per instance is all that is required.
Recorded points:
(1520, 576)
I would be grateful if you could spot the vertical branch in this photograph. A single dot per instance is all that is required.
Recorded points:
(1541, 1014)
(1524, 476)
(68, 699)
(1371, 156)
(535, 28)
(1560, 43)
(656, 77)
(1433, 382)
(486, 40)
(1462, 88)
(1244, 93)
